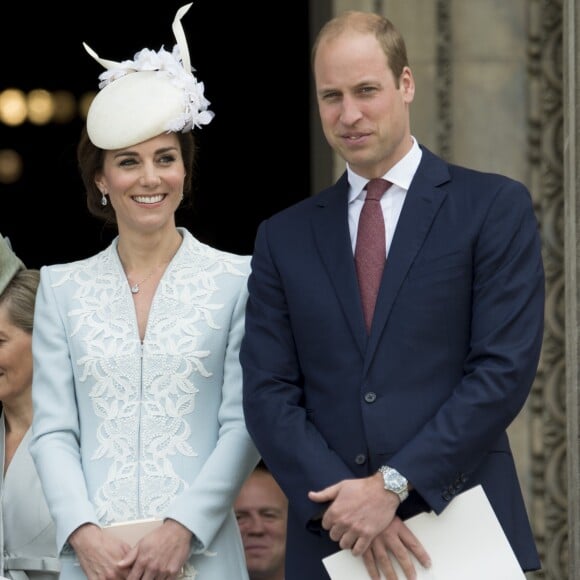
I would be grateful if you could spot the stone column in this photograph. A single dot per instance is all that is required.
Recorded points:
(572, 269)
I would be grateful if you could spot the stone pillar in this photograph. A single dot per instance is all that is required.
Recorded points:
(572, 268)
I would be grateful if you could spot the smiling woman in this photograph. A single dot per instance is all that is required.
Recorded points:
(139, 345)
(248, 101)
(27, 541)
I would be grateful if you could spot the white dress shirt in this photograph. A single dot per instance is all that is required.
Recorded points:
(400, 175)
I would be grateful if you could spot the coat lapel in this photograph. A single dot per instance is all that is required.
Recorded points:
(422, 203)
(331, 233)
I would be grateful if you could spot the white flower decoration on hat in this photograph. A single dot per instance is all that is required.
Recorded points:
(155, 92)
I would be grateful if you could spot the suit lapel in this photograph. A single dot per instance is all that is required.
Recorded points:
(331, 233)
(422, 203)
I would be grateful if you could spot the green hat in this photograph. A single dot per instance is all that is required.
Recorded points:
(10, 264)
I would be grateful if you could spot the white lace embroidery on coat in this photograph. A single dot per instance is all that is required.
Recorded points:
(142, 404)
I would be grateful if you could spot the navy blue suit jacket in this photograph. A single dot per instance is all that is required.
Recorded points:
(450, 360)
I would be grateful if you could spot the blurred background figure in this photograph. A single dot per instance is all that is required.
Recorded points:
(28, 549)
(262, 511)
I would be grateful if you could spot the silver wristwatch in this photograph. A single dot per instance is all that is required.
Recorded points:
(394, 481)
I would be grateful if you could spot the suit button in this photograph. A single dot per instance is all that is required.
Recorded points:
(370, 397)
(360, 459)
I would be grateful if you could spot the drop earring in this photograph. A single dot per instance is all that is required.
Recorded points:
(103, 199)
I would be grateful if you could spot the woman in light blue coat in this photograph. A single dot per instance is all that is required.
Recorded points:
(137, 386)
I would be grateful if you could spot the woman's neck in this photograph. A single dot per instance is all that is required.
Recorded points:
(141, 254)
(18, 413)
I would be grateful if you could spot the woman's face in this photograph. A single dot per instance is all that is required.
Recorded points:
(144, 183)
(15, 358)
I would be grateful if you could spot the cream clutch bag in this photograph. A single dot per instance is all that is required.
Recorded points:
(132, 531)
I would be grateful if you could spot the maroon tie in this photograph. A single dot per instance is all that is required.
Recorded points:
(370, 251)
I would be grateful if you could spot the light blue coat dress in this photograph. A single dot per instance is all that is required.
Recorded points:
(125, 429)
(27, 532)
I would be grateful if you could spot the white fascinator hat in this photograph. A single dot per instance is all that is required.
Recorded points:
(154, 93)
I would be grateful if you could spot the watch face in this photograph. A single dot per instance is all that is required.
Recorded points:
(394, 481)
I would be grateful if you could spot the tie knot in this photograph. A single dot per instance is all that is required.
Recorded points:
(376, 187)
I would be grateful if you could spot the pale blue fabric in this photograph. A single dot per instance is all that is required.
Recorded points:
(27, 532)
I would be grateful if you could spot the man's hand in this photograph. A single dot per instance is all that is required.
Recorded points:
(398, 542)
(359, 511)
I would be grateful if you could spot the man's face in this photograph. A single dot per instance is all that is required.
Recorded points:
(261, 510)
(364, 109)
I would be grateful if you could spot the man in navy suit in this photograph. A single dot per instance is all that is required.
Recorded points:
(364, 428)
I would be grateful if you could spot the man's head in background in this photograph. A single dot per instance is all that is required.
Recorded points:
(262, 510)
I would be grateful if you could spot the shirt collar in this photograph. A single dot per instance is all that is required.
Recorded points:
(401, 174)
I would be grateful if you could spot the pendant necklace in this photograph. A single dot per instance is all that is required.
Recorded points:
(136, 287)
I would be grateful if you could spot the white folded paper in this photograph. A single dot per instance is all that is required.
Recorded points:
(465, 541)
(132, 531)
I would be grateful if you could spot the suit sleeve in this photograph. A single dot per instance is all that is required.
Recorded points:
(274, 400)
(506, 332)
